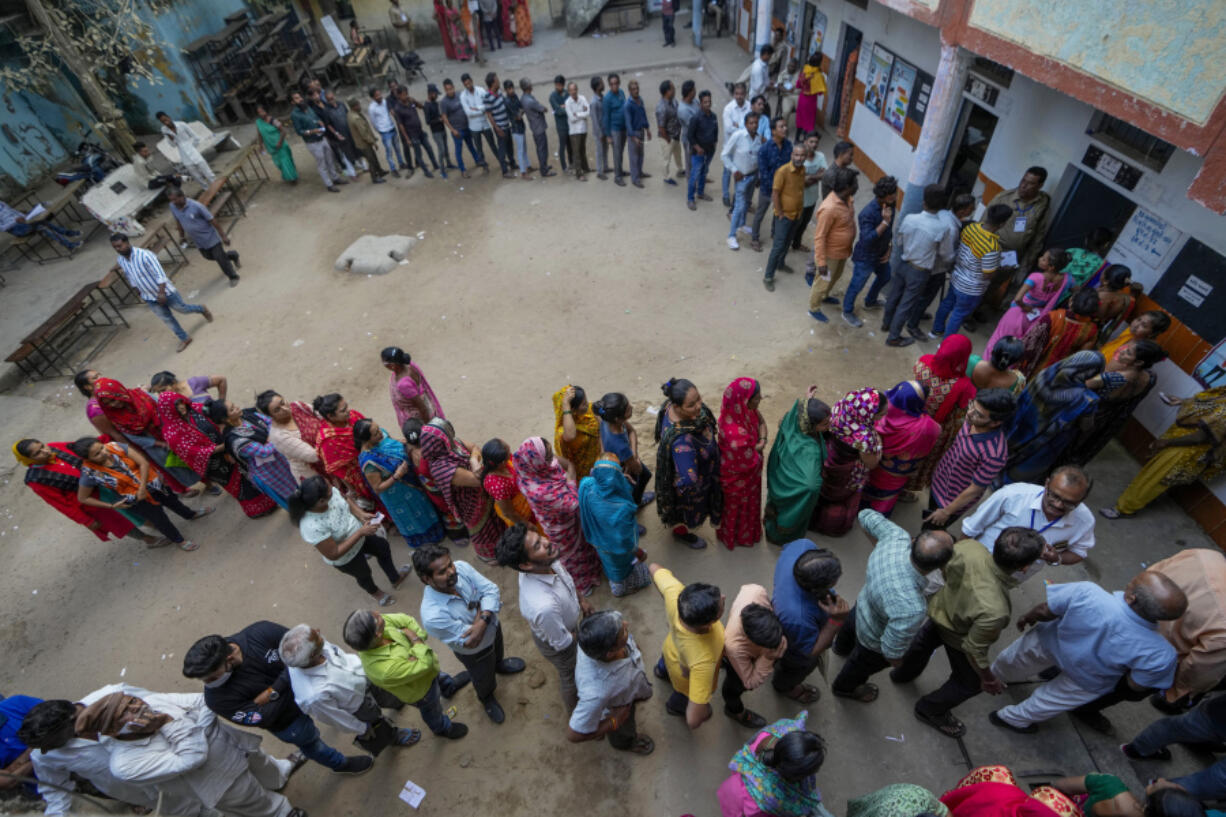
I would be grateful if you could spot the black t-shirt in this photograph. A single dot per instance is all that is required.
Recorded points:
(434, 116)
(261, 668)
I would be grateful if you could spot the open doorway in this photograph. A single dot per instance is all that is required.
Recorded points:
(838, 79)
(1088, 204)
(972, 136)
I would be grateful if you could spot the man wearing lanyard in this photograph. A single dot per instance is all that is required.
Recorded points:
(1054, 510)
(1023, 233)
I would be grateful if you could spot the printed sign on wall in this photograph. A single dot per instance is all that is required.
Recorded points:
(902, 81)
(877, 84)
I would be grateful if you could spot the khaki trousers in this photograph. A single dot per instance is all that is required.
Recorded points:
(821, 288)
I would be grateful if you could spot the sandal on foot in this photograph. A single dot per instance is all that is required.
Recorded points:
(188, 545)
(809, 694)
(407, 737)
(866, 693)
(747, 717)
(947, 725)
(158, 543)
(387, 601)
(642, 745)
(1114, 513)
(405, 572)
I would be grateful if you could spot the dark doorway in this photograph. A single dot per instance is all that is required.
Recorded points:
(1089, 204)
(971, 137)
(842, 84)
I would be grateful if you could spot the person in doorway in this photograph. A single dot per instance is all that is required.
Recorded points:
(702, 133)
(144, 273)
(547, 601)
(460, 608)
(182, 137)
(787, 201)
(637, 131)
(195, 221)
(832, 240)
(611, 683)
(668, 128)
(1021, 234)
(246, 683)
(977, 261)
(891, 606)
(613, 125)
(561, 121)
(810, 87)
(925, 245)
(871, 255)
(307, 125)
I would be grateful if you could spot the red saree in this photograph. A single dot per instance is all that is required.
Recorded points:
(1054, 337)
(950, 392)
(993, 791)
(440, 17)
(56, 484)
(907, 436)
(340, 457)
(740, 466)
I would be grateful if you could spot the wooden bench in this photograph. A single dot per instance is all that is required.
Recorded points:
(38, 248)
(88, 319)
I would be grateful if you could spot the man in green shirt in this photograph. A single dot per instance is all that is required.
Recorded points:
(396, 658)
(967, 615)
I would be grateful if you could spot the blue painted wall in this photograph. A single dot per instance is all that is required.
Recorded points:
(176, 91)
(38, 131)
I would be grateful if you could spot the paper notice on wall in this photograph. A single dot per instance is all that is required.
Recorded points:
(1191, 295)
(1199, 286)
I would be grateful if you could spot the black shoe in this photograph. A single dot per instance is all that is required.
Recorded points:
(899, 341)
(233, 256)
(620, 182)
(494, 710)
(1162, 754)
(456, 731)
(395, 174)
(830, 300)
(458, 682)
(510, 666)
(918, 334)
(660, 671)
(356, 765)
(1021, 730)
(1095, 720)
(1158, 701)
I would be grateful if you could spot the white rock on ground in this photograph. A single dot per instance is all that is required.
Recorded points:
(375, 254)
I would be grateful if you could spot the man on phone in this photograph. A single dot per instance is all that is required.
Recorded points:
(811, 613)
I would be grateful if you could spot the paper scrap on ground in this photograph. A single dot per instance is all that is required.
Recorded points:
(412, 793)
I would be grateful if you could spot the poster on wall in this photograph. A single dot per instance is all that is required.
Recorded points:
(793, 25)
(819, 34)
(877, 84)
(898, 98)
(1211, 372)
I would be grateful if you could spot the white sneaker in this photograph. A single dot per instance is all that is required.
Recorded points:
(732, 243)
(744, 228)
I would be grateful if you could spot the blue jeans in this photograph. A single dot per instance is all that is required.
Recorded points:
(466, 138)
(726, 181)
(48, 230)
(744, 190)
(697, 182)
(521, 151)
(391, 146)
(859, 277)
(1204, 724)
(305, 735)
(431, 708)
(174, 301)
(960, 305)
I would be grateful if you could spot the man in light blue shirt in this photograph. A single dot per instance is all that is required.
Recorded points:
(740, 154)
(201, 226)
(1095, 638)
(460, 608)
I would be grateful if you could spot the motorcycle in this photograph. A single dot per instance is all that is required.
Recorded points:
(93, 163)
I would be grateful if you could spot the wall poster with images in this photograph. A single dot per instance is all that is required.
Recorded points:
(818, 36)
(877, 83)
(898, 97)
(1211, 372)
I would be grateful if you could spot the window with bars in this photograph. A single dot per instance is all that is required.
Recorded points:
(1130, 140)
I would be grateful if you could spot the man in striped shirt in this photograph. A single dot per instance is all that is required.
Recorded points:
(973, 461)
(978, 258)
(144, 273)
(499, 135)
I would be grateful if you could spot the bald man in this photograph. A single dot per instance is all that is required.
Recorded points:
(1097, 640)
(891, 606)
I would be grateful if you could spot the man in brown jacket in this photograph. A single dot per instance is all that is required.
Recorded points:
(832, 240)
(364, 140)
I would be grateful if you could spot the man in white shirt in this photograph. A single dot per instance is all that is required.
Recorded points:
(612, 682)
(181, 136)
(733, 119)
(144, 273)
(740, 153)
(58, 752)
(473, 100)
(1054, 510)
(547, 601)
(958, 213)
(330, 685)
(759, 72)
(200, 765)
(925, 243)
(385, 125)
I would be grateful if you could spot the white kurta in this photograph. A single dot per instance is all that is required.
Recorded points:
(332, 691)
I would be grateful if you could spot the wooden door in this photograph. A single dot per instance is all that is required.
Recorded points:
(744, 22)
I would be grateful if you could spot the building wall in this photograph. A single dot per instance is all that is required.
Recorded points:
(1169, 52)
(28, 148)
(373, 14)
(176, 92)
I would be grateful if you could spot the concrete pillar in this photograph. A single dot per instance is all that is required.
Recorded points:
(761, 35)
(696, 21)
(939, 120)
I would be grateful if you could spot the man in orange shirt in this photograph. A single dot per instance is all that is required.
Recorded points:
(788, 200)
(832, 240)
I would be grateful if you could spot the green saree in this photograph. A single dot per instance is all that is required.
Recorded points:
(793, 477)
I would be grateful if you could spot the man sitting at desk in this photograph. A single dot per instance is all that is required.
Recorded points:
(148, 169)
(19, 224)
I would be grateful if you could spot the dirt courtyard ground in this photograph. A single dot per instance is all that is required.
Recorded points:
(516, 290)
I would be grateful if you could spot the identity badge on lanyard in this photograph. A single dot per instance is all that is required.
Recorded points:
(1045, 527)
(1019, 224)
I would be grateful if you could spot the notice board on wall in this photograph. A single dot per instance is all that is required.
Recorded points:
(1193, 289)
(920, 96)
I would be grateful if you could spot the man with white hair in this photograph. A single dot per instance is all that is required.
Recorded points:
(611, 681)
(330, 685)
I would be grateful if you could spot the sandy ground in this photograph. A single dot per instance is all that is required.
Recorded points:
(517, 289)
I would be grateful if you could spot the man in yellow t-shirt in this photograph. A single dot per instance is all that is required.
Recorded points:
(693, 647)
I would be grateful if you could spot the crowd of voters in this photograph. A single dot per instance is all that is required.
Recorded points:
(1000, 445)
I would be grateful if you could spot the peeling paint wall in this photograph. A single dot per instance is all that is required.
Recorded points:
(177, 92)
(1169, 52)
(38, 131)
